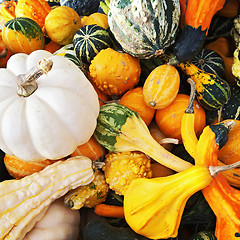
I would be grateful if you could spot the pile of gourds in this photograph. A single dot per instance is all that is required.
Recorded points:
(100, 128)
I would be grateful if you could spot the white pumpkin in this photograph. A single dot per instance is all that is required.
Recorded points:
(55, 118)
(58, 223)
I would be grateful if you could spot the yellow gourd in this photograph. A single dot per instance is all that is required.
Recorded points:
(24, 202)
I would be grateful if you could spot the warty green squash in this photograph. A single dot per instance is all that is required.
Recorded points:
(144, 28)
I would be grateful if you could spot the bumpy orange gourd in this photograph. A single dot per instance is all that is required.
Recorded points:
(37, 10)
(169, 119)
(114, 72)
(161, 86)
(134, 100)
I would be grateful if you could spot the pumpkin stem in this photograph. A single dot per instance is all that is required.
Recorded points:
(214, 170)
(169, 140)
(97, 165)
(26, 83)
(190, 108)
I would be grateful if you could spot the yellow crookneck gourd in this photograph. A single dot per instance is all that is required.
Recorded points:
(25, 201)
(158, 214)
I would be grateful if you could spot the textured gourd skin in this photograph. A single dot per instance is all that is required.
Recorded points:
(144, 28)
(25, 201)
(116, 78)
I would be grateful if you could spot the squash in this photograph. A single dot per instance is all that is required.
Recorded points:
(51, 46)
(166, 197)
(95, 18)
(25, 201)
(236, 65)
(122, 168)
(120, 129)
(19, 168)
(7, 11)
(57, 218)
(61, 24)
(196, 18)
(219, 194)
(37, 10)
(210, 62)
(211, 91)
(83, 8)
(144, 29)
(23, 35)
(134, 100)
(89, 195)
(115, 79)
(57, 93)
(89, 40)
(161, 86)
(91, 149)
(4, 53)
(169, 119)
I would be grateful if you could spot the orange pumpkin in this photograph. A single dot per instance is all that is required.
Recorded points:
(169, 119)
(161, 86)
(114, 72)
(134, 100)
(91, 149)
(7, 11)
(19, 168)
(4, 53)
(52, 47)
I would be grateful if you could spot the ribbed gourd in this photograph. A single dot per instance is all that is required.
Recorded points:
(89, 40)
(144, 28)
(121, 129)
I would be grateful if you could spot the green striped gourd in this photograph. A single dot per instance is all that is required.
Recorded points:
(144, 28)
(89, 40)
(121, 129)
(210, 62)
(212, 92)
(68, 52)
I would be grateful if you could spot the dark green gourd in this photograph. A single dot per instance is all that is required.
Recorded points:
(144, 28)
(210, 62)
(89, 40)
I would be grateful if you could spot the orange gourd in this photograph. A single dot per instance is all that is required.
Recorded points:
(7, 11)
(19, 168)
(161, 86)
(222, 198)
(52, 47)
(134, 100)
(114, 72)
(100, 19)
(91, 149)
(230, 10)
(37, 10)
(169, 119)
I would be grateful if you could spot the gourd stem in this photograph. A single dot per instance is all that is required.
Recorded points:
(97, 165)
(26, 83)
(169, 140)
(190, 108)
(214, 170)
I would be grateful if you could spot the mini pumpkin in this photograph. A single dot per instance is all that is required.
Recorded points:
(43, 119)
